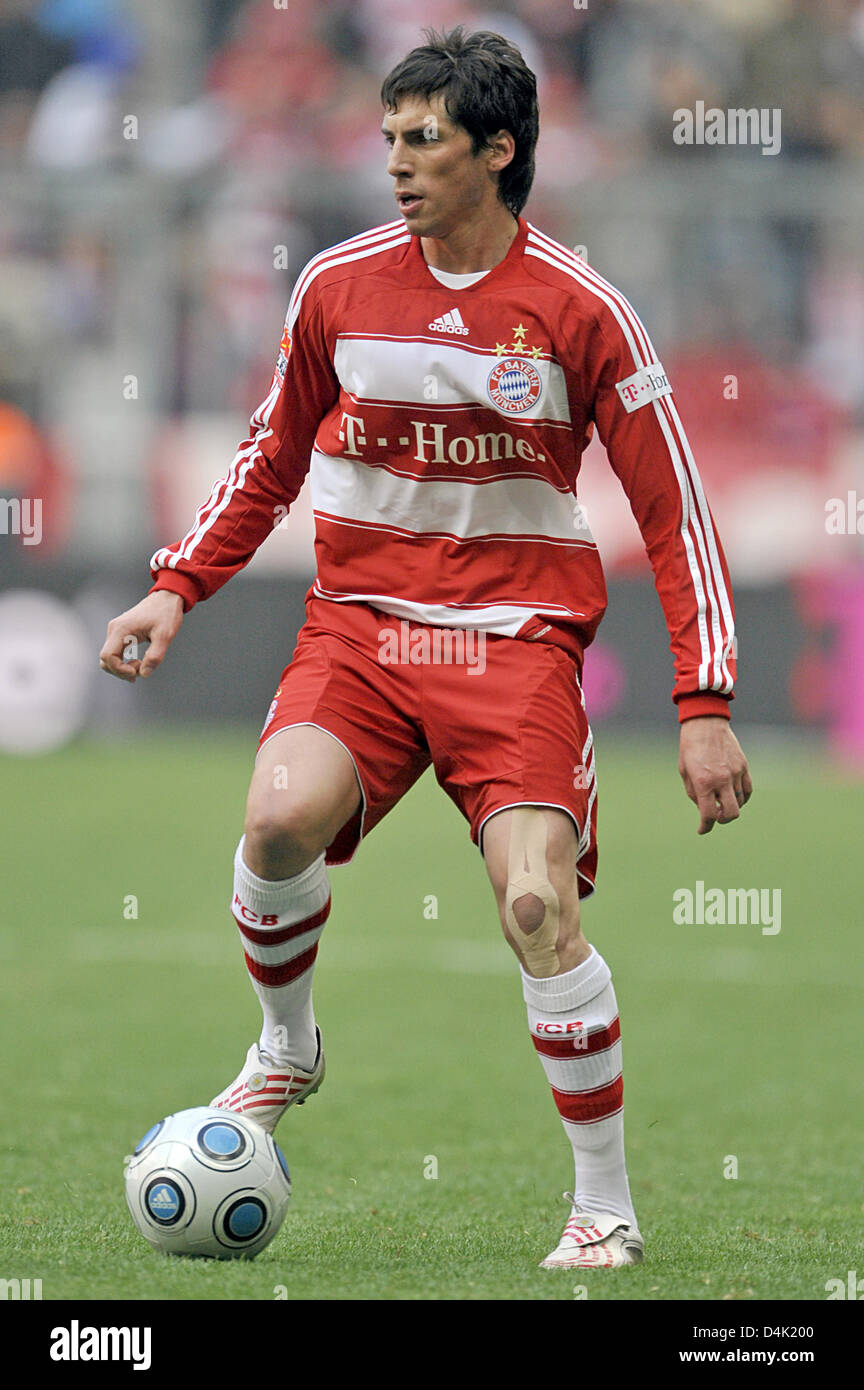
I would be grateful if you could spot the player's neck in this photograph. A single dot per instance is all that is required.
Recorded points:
(478, 243)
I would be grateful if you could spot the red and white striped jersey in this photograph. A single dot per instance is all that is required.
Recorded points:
(443, 430)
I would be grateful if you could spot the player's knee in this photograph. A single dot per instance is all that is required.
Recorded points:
(285, 833)
(539, 897)
(531, 904)
(529, 911)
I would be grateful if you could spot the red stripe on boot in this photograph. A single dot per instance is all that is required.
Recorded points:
(584, 1107)
(580, 1044)
(282, 934)
(275, 975)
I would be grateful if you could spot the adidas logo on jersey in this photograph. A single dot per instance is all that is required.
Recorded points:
(451, 322)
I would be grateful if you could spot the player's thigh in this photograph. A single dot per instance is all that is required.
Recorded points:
(303, 790)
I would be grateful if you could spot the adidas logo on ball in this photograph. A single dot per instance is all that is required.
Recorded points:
(164, 1199)
(451, 322)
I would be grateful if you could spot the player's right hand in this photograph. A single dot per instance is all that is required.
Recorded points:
(156, 619)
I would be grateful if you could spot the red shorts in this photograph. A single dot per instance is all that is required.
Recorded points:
(501, 719)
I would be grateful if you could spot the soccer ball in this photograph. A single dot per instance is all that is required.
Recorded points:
(208, 1182)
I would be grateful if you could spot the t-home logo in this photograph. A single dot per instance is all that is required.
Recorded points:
(434, 443)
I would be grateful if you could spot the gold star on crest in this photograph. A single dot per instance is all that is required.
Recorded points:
(518, 347)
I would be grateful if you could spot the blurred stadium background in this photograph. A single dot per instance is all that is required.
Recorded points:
(168, 169)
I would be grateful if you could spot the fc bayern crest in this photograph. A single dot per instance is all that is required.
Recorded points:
(284, 353)
(514, 385)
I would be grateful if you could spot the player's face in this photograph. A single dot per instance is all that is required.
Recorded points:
(438, 180)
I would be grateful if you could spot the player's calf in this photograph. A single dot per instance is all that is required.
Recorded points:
(303, 790)
(531, 854)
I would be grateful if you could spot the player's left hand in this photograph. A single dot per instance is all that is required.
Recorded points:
(714, 770)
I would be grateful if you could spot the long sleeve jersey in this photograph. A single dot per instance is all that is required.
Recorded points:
(443, 430)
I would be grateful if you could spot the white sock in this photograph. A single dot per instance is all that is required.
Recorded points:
(280, 922)
(574, 1027)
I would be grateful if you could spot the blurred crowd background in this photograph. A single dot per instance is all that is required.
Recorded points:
(167, 169)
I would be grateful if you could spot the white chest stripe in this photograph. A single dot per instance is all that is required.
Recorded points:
(423, 374)
(519, 507)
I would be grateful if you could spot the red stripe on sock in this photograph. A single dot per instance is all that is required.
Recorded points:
(578, 1045)
(282, 934)
(276, 975)
(584, 1107)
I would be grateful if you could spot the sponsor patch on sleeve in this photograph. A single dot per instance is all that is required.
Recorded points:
(648, 384)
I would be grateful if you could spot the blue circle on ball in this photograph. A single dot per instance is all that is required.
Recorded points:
(221, 1141)
(245, 1220)
(283, 1162)
(149, 1136)
(165, 1201)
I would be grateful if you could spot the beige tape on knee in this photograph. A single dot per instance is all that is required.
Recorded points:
(527, 873)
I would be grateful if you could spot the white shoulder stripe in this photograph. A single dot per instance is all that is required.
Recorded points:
(591, 278)
(627, 327)
(361, 239)
(354, 249)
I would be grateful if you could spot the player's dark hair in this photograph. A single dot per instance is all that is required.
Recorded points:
(486, 86)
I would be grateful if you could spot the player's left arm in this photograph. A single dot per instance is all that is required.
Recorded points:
(638, 422)
(714, 770)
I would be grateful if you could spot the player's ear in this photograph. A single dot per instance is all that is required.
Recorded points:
(500, 149)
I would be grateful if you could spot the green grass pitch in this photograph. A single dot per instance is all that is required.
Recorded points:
(737, 1045)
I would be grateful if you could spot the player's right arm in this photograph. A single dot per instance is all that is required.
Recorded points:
(263, 481)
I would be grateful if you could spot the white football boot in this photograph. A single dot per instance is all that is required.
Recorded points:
(595, 1240)
(264, 1090)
